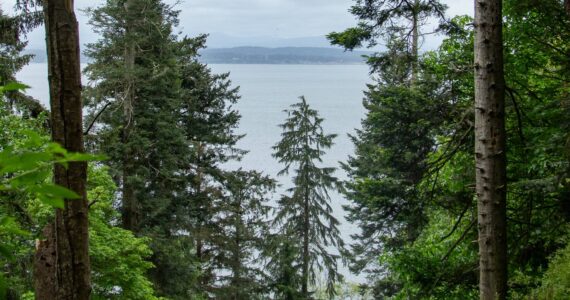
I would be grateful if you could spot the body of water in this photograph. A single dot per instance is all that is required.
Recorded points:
(266, 90)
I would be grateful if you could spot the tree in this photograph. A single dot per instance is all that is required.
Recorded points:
(167, 123)
(283, 267)
(490, 149)
(209, 121)
(306, 213)
(135, 110)
(69, 277)
(380, 19)
(241, 227)
(12, 60)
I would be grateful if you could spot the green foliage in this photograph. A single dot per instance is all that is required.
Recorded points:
(167, 124)
(306, 214)
(555, 283)
(283, 267)
(137, 110)
(28, 198)
(412, 175)
(118, 258)
(438, 264)
(240, 234)
(378, 18)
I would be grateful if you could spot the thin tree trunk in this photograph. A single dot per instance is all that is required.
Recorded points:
(567, 6)
(306, 232)
(490, 145)
(131, 212)
(415, 41)
(237, 264)
(70, 230)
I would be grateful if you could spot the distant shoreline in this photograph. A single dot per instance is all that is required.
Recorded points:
(263, 55)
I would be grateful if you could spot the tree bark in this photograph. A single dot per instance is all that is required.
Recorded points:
(567, 6)
(490, 146)
(130, 206)
(306, 237)
(415, 41)
(70, 229)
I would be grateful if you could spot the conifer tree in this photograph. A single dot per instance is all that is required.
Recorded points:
(381, 19)
(241, 227)
(306, 213)
(490, 150)
(209, 121)
(283, 267)
(168, 124)
(135, 111)
(12, 58)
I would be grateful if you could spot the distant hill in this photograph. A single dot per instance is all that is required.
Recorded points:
(221, 40)
(283, 55)
(263, 55)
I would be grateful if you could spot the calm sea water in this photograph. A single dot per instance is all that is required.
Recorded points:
(266, 90)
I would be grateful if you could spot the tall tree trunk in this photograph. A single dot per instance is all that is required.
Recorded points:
(237, 263)
(306, 232)
(131, 214)
(567, 6)
(415, 41)
(490, 146)
(70, 236)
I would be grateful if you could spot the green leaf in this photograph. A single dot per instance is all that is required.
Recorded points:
(14, 86)
(23, 162)
(54, 202)
(54, 195)
(6, 252)
(84, 157)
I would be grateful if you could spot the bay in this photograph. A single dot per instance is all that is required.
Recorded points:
(336, 91)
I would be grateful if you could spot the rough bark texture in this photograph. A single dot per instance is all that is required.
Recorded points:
(70, 231)
(131, 214)
(490, 146)
(44, 264)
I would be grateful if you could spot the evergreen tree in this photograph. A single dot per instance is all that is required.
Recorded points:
(490, 150)
(168, 124)
(283, 268)
(381, 19)
(241, 227)
(306, 213)
(209, 121)
(136, 105)
(12, 60)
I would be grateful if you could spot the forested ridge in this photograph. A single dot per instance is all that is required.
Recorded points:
(459, 183)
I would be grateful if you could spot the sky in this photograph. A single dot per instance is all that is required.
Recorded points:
(250, 22)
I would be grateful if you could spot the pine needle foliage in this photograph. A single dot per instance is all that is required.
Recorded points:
(306, 213)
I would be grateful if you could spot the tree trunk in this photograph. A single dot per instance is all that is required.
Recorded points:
(130, 214)
(70, 232)
(567, 6)
(415, 41)
(490, 146)
(237, 263)
(306, 232)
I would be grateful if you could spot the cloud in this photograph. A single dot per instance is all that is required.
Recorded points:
(250, 18)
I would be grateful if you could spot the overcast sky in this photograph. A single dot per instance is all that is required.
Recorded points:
(251, 18)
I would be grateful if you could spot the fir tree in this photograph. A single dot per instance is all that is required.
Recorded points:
(209, 121)
(135, 105)
(241, 226)
(12, 58)
(306, 213)
(283, 268)
(380, 19)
